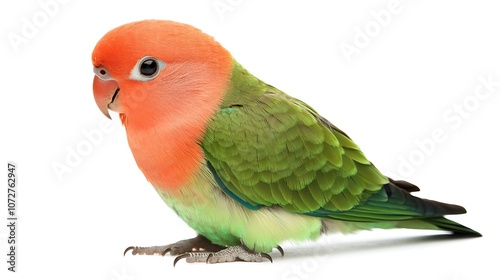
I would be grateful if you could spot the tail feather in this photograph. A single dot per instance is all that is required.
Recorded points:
(407, 186)
(424, 207)
(432, 212)
(443, 208)
(394, 206)
(439, 223)
(449, 225)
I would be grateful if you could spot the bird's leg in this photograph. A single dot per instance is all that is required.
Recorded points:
(199, 243)
(229, 254)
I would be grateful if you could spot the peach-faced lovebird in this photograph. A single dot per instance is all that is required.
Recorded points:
(241, 162)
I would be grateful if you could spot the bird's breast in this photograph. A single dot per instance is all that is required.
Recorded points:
(168, 160)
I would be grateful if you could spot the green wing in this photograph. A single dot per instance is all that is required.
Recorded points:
(275, 150)
(265, 148)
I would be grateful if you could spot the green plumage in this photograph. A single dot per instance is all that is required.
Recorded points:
(271, 149)
(267, 149)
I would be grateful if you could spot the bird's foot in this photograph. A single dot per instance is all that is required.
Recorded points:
(199, 243)
(229, 254)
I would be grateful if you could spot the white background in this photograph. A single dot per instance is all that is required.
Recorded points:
(425, 61)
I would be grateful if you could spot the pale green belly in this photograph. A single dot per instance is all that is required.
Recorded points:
(225, 222)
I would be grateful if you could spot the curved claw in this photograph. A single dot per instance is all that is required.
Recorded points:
(281, 250)
(183, 256)
(209, 257)
(267, 256)
(128, 249)
(165, 252)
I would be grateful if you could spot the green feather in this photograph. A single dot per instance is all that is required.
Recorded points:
(272, 149)
(269, 149)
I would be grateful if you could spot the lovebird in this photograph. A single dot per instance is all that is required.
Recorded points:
(242, 163)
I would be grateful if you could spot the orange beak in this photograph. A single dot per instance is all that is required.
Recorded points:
(105, 93)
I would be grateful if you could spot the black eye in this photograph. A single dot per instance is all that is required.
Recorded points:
(149, 67)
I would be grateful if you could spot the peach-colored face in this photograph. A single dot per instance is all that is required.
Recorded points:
(154, 67)
(166, 80)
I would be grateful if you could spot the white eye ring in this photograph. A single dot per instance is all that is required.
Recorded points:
(146, 69)
(102, 73)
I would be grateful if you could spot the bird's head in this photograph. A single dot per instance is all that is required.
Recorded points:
(155, 69)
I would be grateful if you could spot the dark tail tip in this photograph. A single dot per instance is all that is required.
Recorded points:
(457, 229)
(472, 233)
